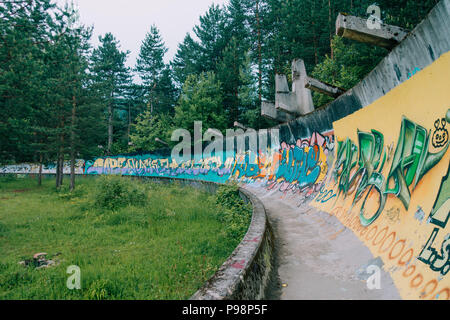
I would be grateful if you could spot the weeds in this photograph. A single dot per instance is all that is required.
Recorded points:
(235, 214)
(153, 242)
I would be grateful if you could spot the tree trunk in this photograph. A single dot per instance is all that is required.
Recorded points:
(129, 123)
(110, 128)
(58, 172)
(316, 56)
(72, 145)
(61, 158)
(61, 167)
(236, 89)
(40, 169)
(330, 28)
(258, 27)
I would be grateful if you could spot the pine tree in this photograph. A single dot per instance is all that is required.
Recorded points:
(201, 100)
(150, 65)
(111, 77)
(25, 29)
(186, 61)
(234, 74)
(212, 36)
(147, 129)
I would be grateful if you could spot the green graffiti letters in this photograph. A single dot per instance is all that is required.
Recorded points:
(360, 172)
(412, 160)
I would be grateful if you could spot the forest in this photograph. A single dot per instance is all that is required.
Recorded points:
(62, 99)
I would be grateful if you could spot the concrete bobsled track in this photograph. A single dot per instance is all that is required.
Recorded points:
(357, 186)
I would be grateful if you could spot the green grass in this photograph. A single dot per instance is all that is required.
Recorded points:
(163, 247)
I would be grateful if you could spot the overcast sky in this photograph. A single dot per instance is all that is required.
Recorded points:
(130, 20)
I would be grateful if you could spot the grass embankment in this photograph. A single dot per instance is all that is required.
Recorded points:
(131, 240)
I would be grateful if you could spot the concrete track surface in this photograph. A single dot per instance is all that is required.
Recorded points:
(316, 256)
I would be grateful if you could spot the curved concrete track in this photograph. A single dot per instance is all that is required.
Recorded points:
(316, 256)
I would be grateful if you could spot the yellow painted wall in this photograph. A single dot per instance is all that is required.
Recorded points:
(397, 235)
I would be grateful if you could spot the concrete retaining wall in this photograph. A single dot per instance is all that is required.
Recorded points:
(246, 273)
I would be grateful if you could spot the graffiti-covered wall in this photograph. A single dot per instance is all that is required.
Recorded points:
(48, 168)
(215, 169)
(298, 165)
(380, 164)
(382, 171)
(389, 181)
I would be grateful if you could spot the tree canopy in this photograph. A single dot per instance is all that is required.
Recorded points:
(61, 99)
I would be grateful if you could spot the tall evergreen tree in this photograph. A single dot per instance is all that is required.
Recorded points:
(201, 100)
(234, 73)
(111, 77)
(212, 37)
(150, 66)
(25, 33)
(187, 60)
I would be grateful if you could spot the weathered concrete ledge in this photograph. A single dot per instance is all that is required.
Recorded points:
(356, 28)
(322, 87)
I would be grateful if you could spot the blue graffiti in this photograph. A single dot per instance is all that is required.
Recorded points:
(298, 165)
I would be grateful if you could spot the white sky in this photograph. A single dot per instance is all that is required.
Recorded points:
(130, 20)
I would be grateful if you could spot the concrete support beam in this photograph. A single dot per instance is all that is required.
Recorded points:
(299, 101)
(355, 28)
(268, 111)
(322, 87)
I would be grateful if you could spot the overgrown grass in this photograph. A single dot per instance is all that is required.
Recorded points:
(152, 242)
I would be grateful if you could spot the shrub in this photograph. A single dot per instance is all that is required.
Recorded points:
(235, 214)
(114, 192)
(80, 191)
(228, 196)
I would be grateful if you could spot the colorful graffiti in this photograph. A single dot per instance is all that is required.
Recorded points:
(289, 167)
(358, 172)
(390, 178)
(48, 168)
(439, 216)
(208, 169)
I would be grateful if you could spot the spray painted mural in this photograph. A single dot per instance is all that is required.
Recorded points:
(389, 181)
(208, 169)
(288, 166)
(298, 167)
(48, 168)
